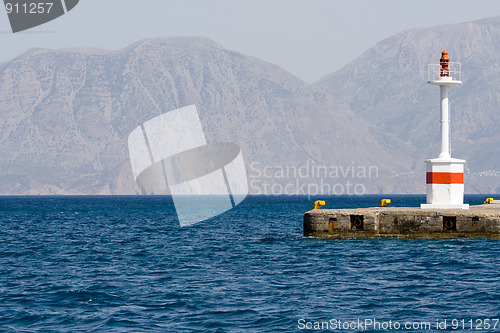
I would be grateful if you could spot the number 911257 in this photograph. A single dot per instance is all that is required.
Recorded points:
(29, 8)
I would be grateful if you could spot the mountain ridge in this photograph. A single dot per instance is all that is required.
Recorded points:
(387, 86)
(66, 114)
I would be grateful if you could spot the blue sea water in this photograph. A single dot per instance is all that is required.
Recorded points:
(123, 264)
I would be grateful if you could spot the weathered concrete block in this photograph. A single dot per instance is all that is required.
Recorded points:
(478, 221)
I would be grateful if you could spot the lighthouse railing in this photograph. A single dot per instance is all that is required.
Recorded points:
(454, 72)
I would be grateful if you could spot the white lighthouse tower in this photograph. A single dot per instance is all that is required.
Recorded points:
(445, 175)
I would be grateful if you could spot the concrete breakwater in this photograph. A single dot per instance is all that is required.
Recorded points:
(404, 222)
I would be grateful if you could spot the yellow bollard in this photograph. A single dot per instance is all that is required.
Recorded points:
(489, 201)
(385, 202)
(318, 204)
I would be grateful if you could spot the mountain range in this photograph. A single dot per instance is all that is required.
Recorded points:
(66, 114)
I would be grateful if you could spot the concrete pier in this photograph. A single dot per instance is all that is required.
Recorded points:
(481, 221)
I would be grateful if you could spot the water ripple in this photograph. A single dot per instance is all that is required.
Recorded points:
(122, 264)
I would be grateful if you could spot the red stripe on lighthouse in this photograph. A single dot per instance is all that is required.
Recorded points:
(445, 178)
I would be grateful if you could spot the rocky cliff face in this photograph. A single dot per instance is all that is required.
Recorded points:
(387, 87)
(66, 115)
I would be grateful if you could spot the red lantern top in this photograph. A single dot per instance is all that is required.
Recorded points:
(445, 61)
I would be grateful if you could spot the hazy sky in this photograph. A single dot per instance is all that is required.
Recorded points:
(309, 38)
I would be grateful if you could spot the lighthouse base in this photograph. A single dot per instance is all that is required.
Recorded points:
(431, 206)
(404, 222)
(445, 184)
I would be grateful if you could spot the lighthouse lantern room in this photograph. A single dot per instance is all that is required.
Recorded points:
(445, 175)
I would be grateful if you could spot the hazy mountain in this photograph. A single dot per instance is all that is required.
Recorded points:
(387, 87)
(66, 115)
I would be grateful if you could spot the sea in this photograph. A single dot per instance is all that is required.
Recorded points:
(123, 264)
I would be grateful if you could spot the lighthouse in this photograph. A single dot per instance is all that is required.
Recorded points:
(444, 215)
(444, 174)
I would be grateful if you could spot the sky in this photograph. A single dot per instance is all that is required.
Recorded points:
(309, 38)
